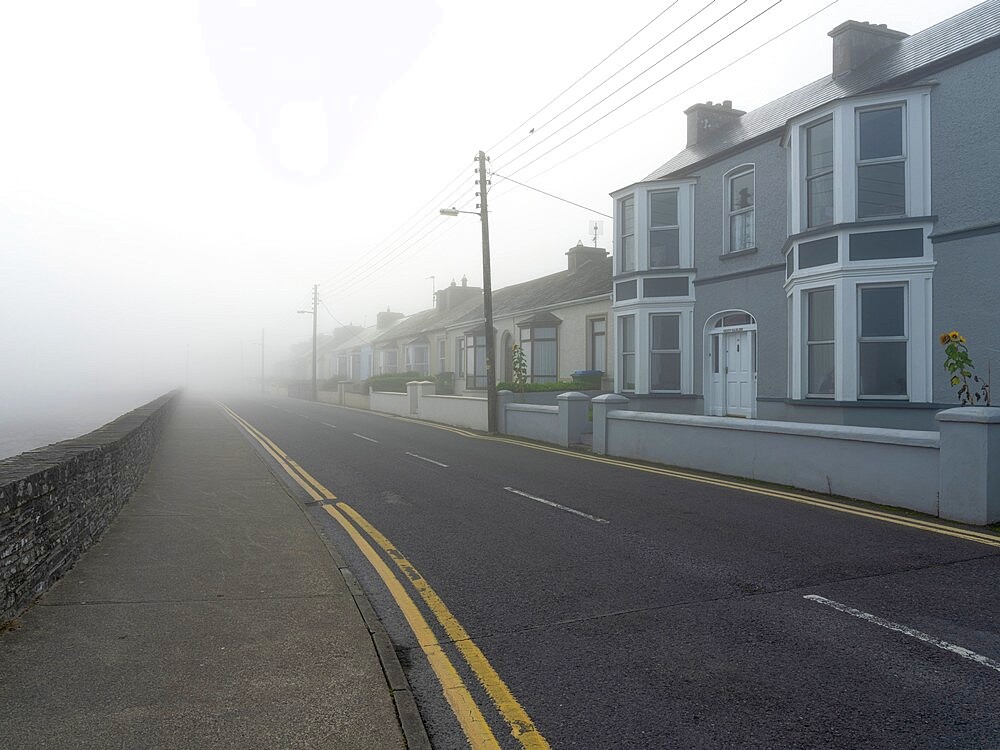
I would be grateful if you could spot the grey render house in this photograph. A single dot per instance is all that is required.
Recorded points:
(797, 262)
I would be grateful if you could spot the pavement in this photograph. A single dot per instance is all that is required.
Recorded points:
(212, 614)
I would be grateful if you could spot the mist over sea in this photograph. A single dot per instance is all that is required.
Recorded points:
(32, 421)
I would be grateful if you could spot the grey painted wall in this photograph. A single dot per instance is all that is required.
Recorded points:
(965, 111)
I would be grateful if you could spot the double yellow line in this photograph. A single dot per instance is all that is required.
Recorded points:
(913, 522)
(474, 725)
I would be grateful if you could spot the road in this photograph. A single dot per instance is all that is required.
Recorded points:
(616, 605)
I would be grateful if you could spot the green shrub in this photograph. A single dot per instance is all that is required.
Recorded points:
(394, 383)
(561, 386)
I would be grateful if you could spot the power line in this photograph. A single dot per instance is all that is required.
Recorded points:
(689, 88)
(622, 68)
(564, 200)
(595, 67)
(636, 76)
(655, 83)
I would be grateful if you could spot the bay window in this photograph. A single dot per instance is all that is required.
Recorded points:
(626, 238)
(626, 347)
(882, 341)
(665, 353)
(540, 352)
(418, 358)
(819, 173)
(664, 230)
(820, 343)
(881, 162)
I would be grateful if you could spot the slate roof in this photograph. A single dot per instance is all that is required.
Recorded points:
(432, 319)
(591, 279)
(973, 31)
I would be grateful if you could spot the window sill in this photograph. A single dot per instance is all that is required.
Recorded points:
(738, 253)
(866, 403)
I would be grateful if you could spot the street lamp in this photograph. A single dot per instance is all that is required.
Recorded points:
(491, 371)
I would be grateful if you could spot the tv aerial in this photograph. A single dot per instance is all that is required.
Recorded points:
(595, 228)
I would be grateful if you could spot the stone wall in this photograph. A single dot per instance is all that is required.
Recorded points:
(56, 501)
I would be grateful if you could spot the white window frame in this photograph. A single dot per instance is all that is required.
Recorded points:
(731, 213)
(383, 361)
(622, 353)
(650, 194)
(628, 260)
(831, 171)
(821, 342)
(527, 339)
(916, 102)
(442, 346)
(678, 351)
(859, 163)
(412, 364)
(460, 356)
(592, 344)
(904, 338)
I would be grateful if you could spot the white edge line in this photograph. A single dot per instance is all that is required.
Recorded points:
(428, 460)
(557, 505)
(370, 440)
(876, 620)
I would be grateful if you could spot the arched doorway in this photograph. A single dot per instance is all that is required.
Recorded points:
(731, 364)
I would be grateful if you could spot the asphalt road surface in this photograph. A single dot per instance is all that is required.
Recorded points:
(614, 606)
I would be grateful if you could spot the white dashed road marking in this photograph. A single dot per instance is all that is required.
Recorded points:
(557, 505)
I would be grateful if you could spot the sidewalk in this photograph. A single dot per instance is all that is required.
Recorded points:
(210, 615)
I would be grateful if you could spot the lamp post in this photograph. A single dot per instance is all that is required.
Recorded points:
(491, 371)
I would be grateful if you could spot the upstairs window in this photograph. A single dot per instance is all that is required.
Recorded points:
(626, 238)
(740, 210)
(819, 174)
(664, 234)
(881, 163)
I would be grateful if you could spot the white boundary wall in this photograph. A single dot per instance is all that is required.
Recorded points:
(532, 421)
(390, 403)
(458, 411)
(895, 467)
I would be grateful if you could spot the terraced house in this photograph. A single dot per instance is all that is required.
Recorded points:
(796, 262)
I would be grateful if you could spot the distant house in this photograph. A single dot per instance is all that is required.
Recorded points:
(418, 342)
(796, 262)
(560, 320)
(354, 358)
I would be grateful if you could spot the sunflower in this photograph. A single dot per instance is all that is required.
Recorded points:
(954, 336)
(944, 338)
(961, 339)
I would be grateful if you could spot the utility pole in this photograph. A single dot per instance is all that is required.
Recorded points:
(491, 370)
(315, 314)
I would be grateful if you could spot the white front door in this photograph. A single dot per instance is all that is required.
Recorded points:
(738, 372)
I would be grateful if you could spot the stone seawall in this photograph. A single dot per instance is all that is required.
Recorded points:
(56, 501)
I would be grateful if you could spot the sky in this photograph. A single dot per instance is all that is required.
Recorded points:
(176, 176)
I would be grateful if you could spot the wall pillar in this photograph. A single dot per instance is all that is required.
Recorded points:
(573, 422)
(503, 398)
(341, 387)
(417, 389)
(602, 405)
(970, 464)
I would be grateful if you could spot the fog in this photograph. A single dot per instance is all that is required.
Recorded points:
(174, 177)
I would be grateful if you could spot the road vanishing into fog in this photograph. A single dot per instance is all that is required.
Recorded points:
(617, 605)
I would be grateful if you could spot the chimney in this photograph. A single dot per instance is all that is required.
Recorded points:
(854, 43)
(453, 294)
(704, 120)
(386, 319)
(580, 254)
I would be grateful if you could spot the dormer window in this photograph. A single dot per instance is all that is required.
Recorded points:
(819, 174)
(881, 163)
(664, 231)
(740, 210)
